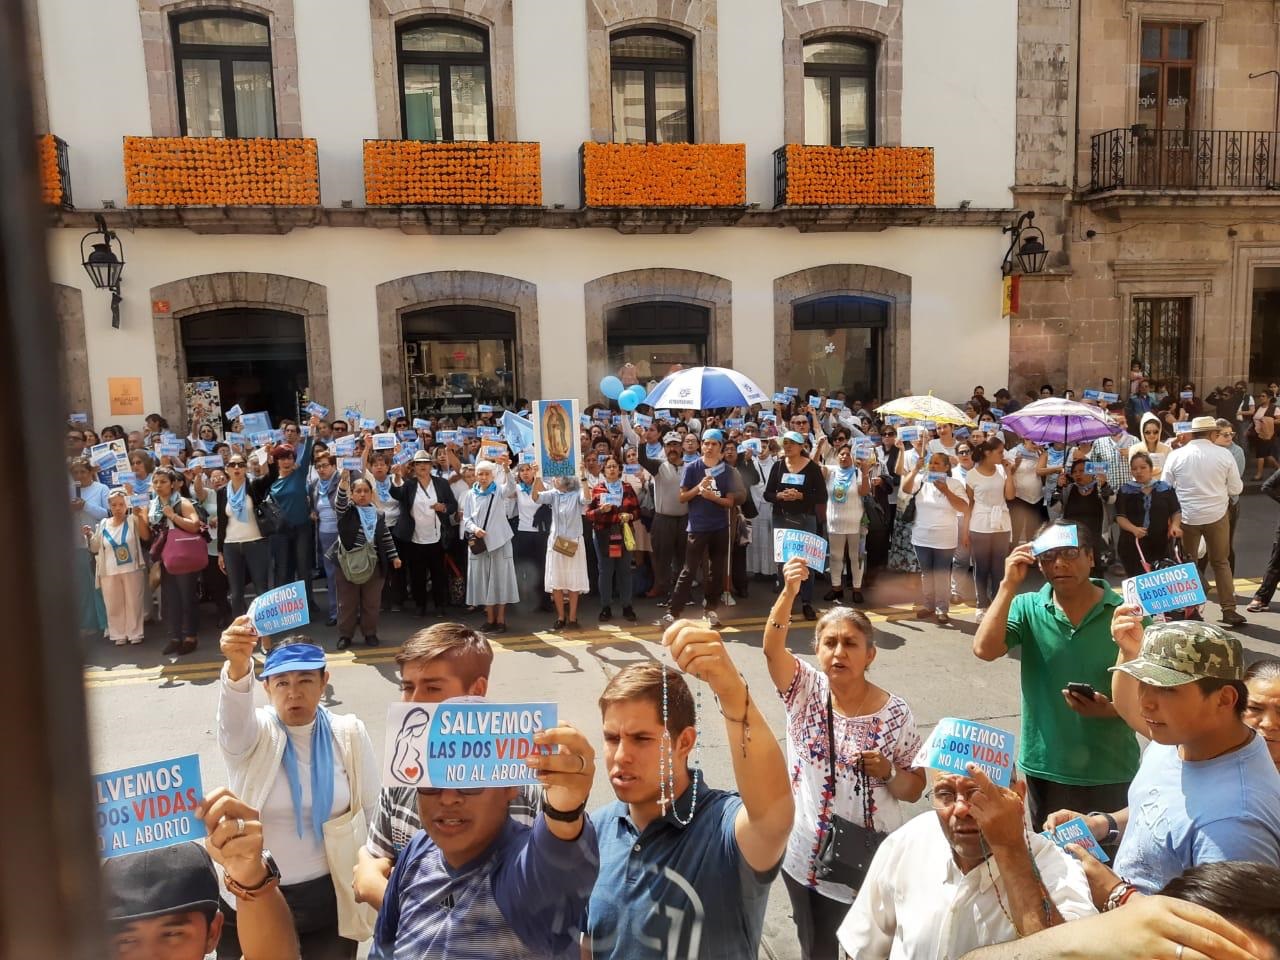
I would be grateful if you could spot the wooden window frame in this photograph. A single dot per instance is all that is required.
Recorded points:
(650, 67)
(833, 72)
(225, 54)
(444, 61)
(1186, 308)
(1164, 62)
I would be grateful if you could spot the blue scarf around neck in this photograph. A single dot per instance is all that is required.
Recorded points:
(368, 521)
(383, 488)
(236, 501)
(322, 768)
(480, 491)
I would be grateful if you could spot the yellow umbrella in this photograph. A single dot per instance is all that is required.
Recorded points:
(926, 408)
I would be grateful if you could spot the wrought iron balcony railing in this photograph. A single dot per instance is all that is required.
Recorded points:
(1142, 158)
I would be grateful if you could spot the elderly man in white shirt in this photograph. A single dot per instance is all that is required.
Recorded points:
(1205, 478)
(967, 875)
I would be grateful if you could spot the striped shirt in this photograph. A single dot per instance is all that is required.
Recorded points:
(396, 820)
(523, 899)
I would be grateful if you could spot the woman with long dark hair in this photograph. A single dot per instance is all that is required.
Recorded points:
(171, 511)
(1148, 514)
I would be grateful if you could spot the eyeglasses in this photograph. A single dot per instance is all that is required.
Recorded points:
(964, 452)
(461, 791)
(1050, 557)
(946, 798)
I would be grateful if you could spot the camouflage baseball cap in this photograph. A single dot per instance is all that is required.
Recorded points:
(1181, 652)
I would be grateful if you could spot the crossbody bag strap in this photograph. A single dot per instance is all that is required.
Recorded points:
(488, 511)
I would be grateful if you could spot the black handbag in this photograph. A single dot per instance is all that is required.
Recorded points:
(847, 848)
(477, 545)
(269, 516)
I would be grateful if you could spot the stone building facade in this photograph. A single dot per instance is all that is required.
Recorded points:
(1150, 157)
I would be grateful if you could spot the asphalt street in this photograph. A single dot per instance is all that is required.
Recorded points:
(145, 707)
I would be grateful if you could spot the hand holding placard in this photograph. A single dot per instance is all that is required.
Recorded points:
(281, 609)
(809, 547)
(148, 807)
(1169, 588)
(954, 744)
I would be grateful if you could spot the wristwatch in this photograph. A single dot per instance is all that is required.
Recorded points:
(268, 882)
(564, 816)
(1113, 828)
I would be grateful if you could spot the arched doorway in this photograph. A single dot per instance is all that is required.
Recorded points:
(257, 357)
(837, 344)
(457, 357)
(655, 335)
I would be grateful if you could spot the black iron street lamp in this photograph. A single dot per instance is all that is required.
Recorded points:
(1031, 252)
(105, 265)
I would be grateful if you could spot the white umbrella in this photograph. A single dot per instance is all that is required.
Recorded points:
(705, 388)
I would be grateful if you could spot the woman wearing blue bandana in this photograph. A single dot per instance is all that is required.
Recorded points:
(314, 777)
(1148, 514)
(491, 574)
(359, 522)
(241, 545)
(323, 494)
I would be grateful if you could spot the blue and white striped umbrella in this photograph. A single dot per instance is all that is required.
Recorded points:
(705, 388)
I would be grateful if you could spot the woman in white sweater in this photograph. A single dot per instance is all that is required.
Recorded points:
(314, 777)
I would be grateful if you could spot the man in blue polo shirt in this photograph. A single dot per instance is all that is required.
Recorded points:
(1076, 751)
(708, 487)
(685, 869)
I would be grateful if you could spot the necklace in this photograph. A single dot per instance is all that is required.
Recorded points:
(666, 758)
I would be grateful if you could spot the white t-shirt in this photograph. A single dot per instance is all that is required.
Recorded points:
(241, 531)
(526, 507)
(1026, 485)
(990, 512)
(937, 446)
(426, 522)
(935, 524)
(844, 503)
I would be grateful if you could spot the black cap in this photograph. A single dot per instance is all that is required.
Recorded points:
(155, 883)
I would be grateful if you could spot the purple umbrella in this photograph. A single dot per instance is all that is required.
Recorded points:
(1054, 420)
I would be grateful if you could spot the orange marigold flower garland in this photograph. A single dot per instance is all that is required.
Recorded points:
(665, 174)
(217, 172)
(861, 176)
(50, 177)
(462, 172)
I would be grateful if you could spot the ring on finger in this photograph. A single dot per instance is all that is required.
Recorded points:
(1181, 949)
(582, 764)
(239, 826)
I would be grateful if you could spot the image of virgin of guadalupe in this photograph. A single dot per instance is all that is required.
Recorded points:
(555, 428)
(557, 437)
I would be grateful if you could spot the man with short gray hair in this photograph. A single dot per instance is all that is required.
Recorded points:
(1204, 476)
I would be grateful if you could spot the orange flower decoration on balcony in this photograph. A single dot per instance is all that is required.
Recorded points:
(464, 172)
(664, 174)
(218, 172)
(50, 177)
(860, 176)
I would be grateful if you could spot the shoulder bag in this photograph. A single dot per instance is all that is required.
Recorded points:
(183, 552)
(477, 545)
(847, 848)
(269, 516)
(565, 547)
(358, 564)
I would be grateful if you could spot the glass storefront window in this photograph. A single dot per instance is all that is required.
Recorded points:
(655, 335)
(654, 361)
(837, 343)
(457, 357)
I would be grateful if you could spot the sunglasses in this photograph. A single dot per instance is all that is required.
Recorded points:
(235, 465)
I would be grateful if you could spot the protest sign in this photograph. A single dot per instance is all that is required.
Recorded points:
(395, 413)
(407, 435)
(367, 423)
(463, 744)
(78, 418)
(1170, 588)
(447, 436)
(401, 458)
(277, 436)
(352, 414)
(420, 424)
(782, 398)
(641, 420)
(793, 479)
(234, 412)
(1096, 467)
(809, 547)
(908, 434)
(892, 419)
(262, 438)
(529, 455)
(1186, 394)
(765, 417)
(354, 464)
(608, 499)
(1077, 831)
(492, 451)
(791, 391)
(102, 455)
(467, 433)
(733, 423)
(927, 424)
(662, 414)
(1181, 427)
(317, 409)
(751, 443)
(235, 439)
(631, 469)
(989, 427)
(484, 408)
(148, 806)
(600, 414)
(815, 402)
(344, 446)
(962, 433)
(281, 609)
(255, 422)
(835, 404)
(956, 743)
(555, 439)
(934, 476)
(140, 500)
(1092, 395)
(488, 433)
(210, 462)
(1055, 538)
(384, 441)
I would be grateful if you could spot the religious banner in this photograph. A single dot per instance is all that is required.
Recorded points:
(555, 437)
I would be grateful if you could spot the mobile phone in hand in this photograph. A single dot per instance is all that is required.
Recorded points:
(1082, 690)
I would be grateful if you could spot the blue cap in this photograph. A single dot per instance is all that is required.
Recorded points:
(293, 658)
(713, 434)
(793, 437)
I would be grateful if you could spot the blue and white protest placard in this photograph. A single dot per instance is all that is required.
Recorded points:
(234, 413)
(908, 434)
(1170, 588)
(1182, 426)
(384, 441)
(927, 424)
(782, 397)
(751, 443)
(447, 436)
(488, 433)
(765, 416)
(261, 439)
(484, 408)
(663, 414)
(793, 479)
(148, 806)
(791, 391)
(935, 476)
(467, 433)
(420, 424)
(809, 547)
(407, 435)
(815, 402)
(733, 423)
(354, 464)
(608, 499)
(1092, 395)
(352, 414)
(401, 458)
(893, 419)
(1055, 538)
(863, 449)
(601, 413)
(463, 744)
(104, 457)
(529, 455)
(316, 409)
(1097, 468)
(235, 439)
(1186, 394)
(834, 404)
(277, 436)
(140, 500)
(255, 422)
(344, 446)
(989, 427)
(642, 420)
(212, 462)
(171, 448)
(492, 451)
(1077, 831)
(962, 433)
(78, 417)
(631, 469)
(367, 423)
(956, 743)
(281, 609)
(1109, 397)
(395, 413)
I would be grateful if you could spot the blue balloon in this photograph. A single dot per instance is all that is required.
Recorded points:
(611, 387)
(628, 401)
(638, 391)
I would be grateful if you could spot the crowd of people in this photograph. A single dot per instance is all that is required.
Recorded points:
(455, 515)
(664, 502)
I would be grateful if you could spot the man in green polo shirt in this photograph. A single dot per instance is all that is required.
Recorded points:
(1075, 750)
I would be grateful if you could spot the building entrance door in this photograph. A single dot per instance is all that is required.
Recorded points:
(258, 357)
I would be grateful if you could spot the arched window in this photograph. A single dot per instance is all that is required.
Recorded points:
(655, 335)
(839, 92)
(444, 81)
(837, 343)
(223, 63)
(652, 87)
